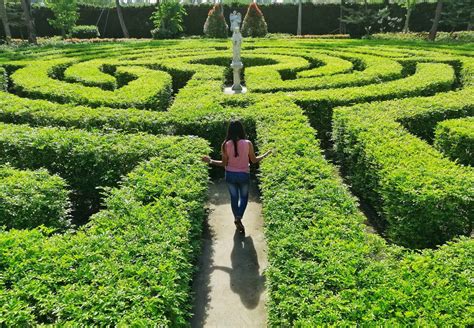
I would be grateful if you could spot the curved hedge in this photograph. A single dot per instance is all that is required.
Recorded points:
(147, 88)
(455, 138)
(325, 269)
(32, 198)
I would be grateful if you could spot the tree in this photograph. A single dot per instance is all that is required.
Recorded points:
(168, 19)
(409, 5)
(215, 25)
(459, 13)
(434, 28)
(121, 20)
(30, 24)
(254, 24)
(300, 18)
(361, 19)
(4, 18)
(65, 14)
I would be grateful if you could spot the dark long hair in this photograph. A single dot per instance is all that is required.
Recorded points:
(235, 132)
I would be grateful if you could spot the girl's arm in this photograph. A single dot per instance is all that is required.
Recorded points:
(255, 159)
(223, 162)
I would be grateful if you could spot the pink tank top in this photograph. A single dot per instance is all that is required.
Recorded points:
(241, 162)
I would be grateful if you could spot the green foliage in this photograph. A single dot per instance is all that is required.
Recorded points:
(458, 13)
(254, 24)
(215, 25)
(132, 265)
(455, 138)
(168, 20)
(362, 19)
(32, 198)
(145, 88)
(85, 32)
(65, 14)
(461, 36)
(421, 198)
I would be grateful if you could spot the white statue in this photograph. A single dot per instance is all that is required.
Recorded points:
(236, 45)
(235, 20)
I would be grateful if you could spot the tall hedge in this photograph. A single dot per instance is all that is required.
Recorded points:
(280, 18)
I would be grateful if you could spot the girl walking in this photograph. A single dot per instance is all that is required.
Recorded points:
(237, 153)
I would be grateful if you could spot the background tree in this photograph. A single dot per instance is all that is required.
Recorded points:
(4, 18)
(458, 14)
(254, 24)
(65, 14)
(434, 28)
(215, 25)
(121, 20)
(409, 5)
(168, 19)
(362, 18)
(30, 24)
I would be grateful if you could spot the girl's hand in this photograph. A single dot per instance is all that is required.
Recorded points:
(206, 159)
(269, 152)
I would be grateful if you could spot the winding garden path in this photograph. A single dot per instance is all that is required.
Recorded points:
(230, 287)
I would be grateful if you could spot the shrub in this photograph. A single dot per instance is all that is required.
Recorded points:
(254, 24)
(422, 198)
(85, 32)
(455, 138)
(132, 264)
(32, 198)
(168, 20)
(65, 14)
(215, 25)
(146, 88)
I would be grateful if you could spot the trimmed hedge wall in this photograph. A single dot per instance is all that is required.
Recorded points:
(455, 138)
(132, 264)
(281, 18)
(32, 198)
(422, 198)
(324, 268)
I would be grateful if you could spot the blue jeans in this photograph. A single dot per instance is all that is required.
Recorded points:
(238, 184)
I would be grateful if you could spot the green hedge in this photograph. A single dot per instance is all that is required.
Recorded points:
(3, 79)
(375, 70)
(85, 32)
(32, 198)
(427, 80)
(423, 198)
(132, 264)
(324, 268)
(148, 88)
(455, 138)
(87, 161)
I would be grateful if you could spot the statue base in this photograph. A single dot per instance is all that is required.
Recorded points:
(235, 91)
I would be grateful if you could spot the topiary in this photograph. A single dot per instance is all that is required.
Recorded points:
(215, 25)
(254, 23)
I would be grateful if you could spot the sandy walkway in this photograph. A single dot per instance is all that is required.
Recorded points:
(229, 287)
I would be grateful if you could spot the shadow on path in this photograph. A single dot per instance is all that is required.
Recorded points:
(229, 286)
(245, 278)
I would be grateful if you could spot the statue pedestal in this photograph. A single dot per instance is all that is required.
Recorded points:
(236, 87)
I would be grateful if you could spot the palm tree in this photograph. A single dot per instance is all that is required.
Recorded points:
(434, 28)
(30, 24)
(122, 22)
(4, 18)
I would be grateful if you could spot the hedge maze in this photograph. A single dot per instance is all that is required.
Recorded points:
(103, 192)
